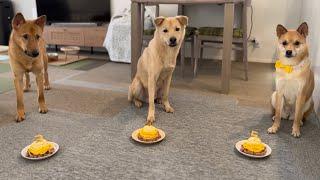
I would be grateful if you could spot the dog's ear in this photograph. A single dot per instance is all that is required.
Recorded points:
(159, 20)
(17, 21)
(281, 30)
(183, 20)
(41, 21)
(303, 29)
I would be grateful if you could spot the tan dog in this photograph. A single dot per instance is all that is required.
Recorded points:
(294, 79)
(157, 63)
(27, 53)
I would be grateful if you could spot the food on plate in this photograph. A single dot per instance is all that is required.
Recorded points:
(253, 145)
(148, 133)
(40, 147)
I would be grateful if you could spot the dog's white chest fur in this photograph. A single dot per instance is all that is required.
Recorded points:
(290, 88)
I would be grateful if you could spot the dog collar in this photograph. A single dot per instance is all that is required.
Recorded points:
(289, 68)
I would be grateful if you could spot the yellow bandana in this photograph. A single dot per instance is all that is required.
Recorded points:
(286, 68)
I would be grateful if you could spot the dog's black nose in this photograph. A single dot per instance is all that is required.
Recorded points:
(288, 53)
(35, 53)
(173, 40)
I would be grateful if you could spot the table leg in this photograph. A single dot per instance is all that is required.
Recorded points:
(227, 47)
(244, 39)
(182, 56)
(136, 36)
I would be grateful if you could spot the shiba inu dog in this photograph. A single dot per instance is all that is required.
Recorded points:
(27, 53)
(294, 79)
(156, 65)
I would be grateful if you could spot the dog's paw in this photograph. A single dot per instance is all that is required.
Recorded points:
(273, 129)
(296, 132)
(137, 103)
(168, 109)
(150, 119)
(20, 117)
(43, 110)
(46, 87)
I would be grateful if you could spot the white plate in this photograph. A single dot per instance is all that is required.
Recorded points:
(238, 147)
(25, 150)
(135, 133)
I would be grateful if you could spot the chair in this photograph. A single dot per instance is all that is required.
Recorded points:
(148, 33)
(212, 37)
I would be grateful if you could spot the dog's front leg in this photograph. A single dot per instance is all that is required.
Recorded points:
(151, 93)
(278, 110)
(298, 115)
(18, 82)
(42, 104)
(46, 76)
(165, 98)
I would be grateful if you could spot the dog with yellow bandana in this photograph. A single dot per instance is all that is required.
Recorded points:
(294, 79)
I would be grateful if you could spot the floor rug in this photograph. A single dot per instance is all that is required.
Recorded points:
(201, 134)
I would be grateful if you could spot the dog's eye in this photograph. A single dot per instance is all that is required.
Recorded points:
(297, 43)
(37, 37)
(165, 30)
(284, 43)
(177, 29)
(25, 36)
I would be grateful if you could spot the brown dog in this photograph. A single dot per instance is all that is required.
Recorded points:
(27, 53)
(294, 79)
(157, 63)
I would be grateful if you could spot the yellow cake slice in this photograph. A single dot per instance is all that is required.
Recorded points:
(253, 145)
(40, 147)
(148, 133)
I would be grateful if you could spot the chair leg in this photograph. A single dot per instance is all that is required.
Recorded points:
(245, 40)
(201, 51)
(182, 56)
(192, 51)
(196, 62)
(245, 61)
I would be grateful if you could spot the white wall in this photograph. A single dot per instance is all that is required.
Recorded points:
(27, 7)
(310, 14)
(267, 14)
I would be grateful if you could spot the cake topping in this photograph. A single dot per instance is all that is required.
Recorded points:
(254, 143)
(148, 133)
(40, 146)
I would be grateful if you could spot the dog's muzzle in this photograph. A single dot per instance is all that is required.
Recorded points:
(32, 54)
(289, 54)
(173, 42)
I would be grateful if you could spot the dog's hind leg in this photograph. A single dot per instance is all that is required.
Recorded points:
(135, 93)
(45, 72)
(27, 84)
(308, 109)
(159, 95)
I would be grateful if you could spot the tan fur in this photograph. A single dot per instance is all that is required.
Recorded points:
(293, 96)
(156, 65)
(25, 40)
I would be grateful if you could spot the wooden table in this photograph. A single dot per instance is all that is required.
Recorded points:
(137, 32)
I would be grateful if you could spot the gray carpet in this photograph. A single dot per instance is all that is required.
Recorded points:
(199, 145)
